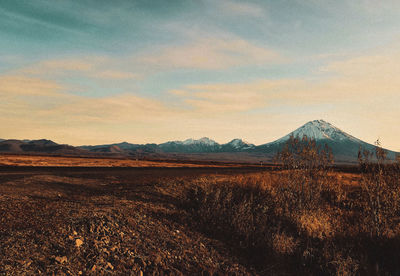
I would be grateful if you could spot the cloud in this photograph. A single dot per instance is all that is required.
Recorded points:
(357, 80)
(220, 51)
(13, 85)
(90, 67)
(222, 98)
(235, 8)
(209, 54)
(123, 108)
(370, 75)
(115, 75)
(68, 65)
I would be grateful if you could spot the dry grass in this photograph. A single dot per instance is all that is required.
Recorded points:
(57, 161)
(332, 238)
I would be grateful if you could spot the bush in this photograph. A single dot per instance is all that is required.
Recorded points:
(307, 167)
(380, 182)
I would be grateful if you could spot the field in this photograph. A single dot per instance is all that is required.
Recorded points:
(73, 161)
(200, 220)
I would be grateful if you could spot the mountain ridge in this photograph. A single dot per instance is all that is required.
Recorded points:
(344, 146)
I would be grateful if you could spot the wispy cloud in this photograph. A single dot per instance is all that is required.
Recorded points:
(89, 67)
(210, 54)
(222, 98)
(14, 85)
(235, 8)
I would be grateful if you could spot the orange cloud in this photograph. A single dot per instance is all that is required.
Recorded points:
(90, 67)
(12, 85)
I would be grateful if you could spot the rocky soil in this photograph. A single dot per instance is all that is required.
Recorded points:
(95, 222)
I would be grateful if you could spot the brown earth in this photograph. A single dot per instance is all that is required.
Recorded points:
(62, 218)
(96, 221)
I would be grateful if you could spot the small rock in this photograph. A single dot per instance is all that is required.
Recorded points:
(78, 242)
(110, 266)
(28, 263)
(62, 259)
(156, 259)
(139, 261)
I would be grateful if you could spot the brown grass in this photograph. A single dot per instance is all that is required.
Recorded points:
(332, 238)
(60, 161)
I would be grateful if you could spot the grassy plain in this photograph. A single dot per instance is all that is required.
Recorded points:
(74, 161)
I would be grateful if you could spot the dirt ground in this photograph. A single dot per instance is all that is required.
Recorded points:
(100, 221)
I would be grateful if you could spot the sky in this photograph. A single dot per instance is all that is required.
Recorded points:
(96, 72)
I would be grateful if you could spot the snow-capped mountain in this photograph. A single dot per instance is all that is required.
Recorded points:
(204, 144)
(318, 130)
(344, 146)
(237, 145)
(202, 141)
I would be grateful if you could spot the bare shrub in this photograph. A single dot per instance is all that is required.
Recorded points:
(345, 265)
(307, 167)
(245, 212)
(284, 244)
(380, 185)
(316, 225)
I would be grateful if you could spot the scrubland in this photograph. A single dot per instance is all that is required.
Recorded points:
(304, 219)
(81, 161)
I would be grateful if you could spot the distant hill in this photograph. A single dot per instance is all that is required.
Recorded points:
(38, 146)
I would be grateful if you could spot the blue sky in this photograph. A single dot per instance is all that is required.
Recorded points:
(89, 72)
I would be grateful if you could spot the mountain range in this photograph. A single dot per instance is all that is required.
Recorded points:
(344, 147)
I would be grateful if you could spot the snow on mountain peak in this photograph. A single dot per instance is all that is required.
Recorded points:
(318, 130)
(204, 140)
(239, 143)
